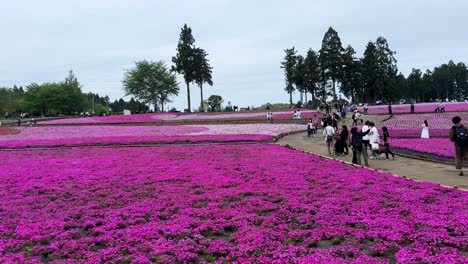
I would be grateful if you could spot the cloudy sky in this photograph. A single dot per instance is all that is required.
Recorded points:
(99, 39)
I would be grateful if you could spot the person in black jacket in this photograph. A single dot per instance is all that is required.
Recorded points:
(386, 137)
(356, 144)
(344, 136)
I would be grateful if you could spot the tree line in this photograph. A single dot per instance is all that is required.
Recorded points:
(367, 79)
(65, 97)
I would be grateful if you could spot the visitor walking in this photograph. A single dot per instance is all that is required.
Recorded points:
(386, 137)
(299, 120)
(412, 108)
(366, 139)
(442, 107)
(390, 109)
(374, 139)
(425, 130)
(310, 128)
(353, 117)
(268, 118)
(328, 133)
(19, 121)
(344, 137)
(366, 109)
(459, 136)
(315, 121)
(357, 147)
(335, 123)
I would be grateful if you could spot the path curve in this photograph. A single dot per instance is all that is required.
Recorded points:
(414, 169)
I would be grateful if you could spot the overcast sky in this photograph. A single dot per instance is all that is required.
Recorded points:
(99, 39)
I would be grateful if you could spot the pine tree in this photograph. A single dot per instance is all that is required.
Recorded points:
(289, 64)
(331, 61)
(203, 72)
(183, 61)
(312, 73)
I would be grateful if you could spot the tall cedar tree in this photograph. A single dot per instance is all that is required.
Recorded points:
(183, 60)
(387, 71)
(331, 60)
(203, 72)
(312, 73)
(299, 76)
(289, 65)
(369, 73)
(351, 75)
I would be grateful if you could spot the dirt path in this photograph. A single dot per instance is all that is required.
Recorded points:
(410, 168)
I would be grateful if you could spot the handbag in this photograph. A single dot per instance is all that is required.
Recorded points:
(375, 146)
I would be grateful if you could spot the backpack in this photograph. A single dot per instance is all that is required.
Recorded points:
(461, 136)
(356, 141)
(353, 117)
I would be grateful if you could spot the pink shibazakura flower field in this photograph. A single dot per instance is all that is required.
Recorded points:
(245, 115)
(114, 119)
(419, 108)
(438, 146)
(183, 117)
(409, 125)
(51, 136)
(219, 203)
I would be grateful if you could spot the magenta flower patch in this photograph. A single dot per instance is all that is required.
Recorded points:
(419, 108)
(219, 203)
(53, 136)
(438, 146)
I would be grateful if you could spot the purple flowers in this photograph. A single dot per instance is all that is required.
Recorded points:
(409, 125)
(419, 108)
(437, 146)
(44, 136)
(219, 203)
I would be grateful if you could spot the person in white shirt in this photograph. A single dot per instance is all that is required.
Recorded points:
(298, 116)
(295, 117)
(329, 133)
(366, 138)
(374, 138)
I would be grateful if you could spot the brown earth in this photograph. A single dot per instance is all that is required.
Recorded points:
(8, 131)
(414, 169)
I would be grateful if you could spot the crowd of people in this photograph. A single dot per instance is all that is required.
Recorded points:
(367, 139)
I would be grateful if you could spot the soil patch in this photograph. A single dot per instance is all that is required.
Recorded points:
(8, 131)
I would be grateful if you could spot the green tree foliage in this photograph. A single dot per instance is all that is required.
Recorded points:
(184, 59)
(214, 102)
(133, 105)
(351, 85)
(203, 72)
(415, 85)
(379, 71)
(300, 76)
(289, 65)
(55, 98)
(311, 73)
(330, 57)
(10, 101)
(150, 82)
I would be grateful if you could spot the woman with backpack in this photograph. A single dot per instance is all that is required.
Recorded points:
(386, 137)
(358, 149)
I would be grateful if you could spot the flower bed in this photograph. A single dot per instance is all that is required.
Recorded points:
(259, 115)
(219, 203)
(442, 147)
(113, 119)
(409, 125)
(53, 136)
(419, 108)
(244, 115)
